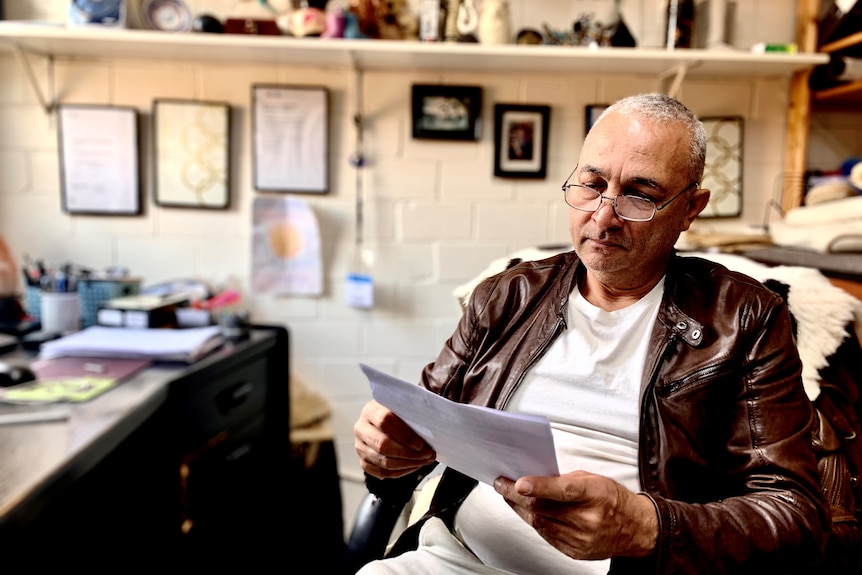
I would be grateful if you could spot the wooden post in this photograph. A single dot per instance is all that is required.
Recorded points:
(799, 109)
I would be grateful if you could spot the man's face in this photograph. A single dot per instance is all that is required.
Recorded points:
(629, 155)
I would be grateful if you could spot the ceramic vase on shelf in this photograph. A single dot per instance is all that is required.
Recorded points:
(495, 22)
(717, 25)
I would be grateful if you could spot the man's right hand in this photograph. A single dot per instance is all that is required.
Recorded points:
(386, 446)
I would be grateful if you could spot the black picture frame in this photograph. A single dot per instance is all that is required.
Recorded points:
(591, 115)
(521, 140)
(100, 163)
(446, 112)
(290, 138)
(191, 153)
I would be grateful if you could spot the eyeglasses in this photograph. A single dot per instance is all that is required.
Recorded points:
(626, 206)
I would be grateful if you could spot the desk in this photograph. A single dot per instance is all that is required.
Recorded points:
(178, 462)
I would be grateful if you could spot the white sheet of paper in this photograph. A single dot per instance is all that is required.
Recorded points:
(481, 442)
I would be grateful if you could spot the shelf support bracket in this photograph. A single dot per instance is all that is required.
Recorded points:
(25, 66)
(679, 74)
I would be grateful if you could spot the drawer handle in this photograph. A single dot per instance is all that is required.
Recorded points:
(233, 397)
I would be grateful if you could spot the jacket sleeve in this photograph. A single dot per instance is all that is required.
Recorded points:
(763, 512)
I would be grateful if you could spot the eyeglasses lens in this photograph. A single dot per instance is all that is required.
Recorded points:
(627, 207)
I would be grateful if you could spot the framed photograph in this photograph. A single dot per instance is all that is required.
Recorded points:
(99, 159)
(191, 153)
(521, 140)
(722, 175)
(290, 138)
(592, 113)
(447, 112)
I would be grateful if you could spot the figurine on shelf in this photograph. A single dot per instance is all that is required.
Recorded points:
(606, 28)
(351, 27)
(450, 26)
(366, 18)
(307, 21)
(335, 23)
(468, 21)
(395, 21)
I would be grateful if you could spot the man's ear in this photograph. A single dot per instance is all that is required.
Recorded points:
(697, 202)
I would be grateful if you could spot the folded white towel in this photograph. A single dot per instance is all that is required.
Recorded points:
(827, 212)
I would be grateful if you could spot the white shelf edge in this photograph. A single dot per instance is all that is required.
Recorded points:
(60, 42)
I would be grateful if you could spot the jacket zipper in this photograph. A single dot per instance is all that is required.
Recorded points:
(642, 447)
(561, 322)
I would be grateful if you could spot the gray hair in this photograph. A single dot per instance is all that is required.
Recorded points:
(664, 109)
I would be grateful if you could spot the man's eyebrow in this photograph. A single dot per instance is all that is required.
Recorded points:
(592, 170)
(637, 180)
(648, 182)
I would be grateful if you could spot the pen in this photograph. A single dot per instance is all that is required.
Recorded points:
(33, 417)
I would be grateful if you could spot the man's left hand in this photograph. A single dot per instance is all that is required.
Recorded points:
(586, 516)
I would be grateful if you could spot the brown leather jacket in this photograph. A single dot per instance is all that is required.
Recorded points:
(726, 427)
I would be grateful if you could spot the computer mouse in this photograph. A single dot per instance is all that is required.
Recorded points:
(14, 374)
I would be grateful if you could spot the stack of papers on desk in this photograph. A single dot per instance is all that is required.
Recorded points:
(186, 345)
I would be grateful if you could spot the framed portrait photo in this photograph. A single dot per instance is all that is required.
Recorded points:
(192, 155)
(521, 140)
(446, 112)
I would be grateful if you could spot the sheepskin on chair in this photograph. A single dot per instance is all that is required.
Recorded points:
(822, 313)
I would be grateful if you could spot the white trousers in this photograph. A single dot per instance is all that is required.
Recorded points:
(439, 553)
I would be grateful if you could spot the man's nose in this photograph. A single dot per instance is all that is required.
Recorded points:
(601, 212)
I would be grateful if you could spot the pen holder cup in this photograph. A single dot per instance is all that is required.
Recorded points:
(94, 292)
(33, 302)
(61, 312)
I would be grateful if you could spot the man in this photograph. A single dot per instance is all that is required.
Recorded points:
(673, 388)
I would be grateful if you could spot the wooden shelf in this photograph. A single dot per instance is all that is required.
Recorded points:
(57, 41)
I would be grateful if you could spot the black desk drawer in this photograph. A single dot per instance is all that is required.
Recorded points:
(205, 409)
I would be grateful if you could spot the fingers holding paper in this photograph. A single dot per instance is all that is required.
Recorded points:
(388, 447)
(586, 516)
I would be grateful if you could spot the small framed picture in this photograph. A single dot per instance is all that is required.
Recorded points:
(192, 155)
(290, 138)
(592, 113)
(521, 140)
(99, 160)
(446, 112)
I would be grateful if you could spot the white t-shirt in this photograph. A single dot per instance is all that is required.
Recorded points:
(588, 385)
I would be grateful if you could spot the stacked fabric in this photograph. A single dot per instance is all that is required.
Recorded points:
(830, 227)
(830, 221)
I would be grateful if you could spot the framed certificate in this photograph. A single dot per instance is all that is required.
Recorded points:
(99, 159)
(191, 151)
(290, 138)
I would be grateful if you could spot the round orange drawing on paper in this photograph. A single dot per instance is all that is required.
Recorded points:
(285, 241)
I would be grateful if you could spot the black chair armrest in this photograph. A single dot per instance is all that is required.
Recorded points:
(377, 516)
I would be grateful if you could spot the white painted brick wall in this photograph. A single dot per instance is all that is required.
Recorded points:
(434, 214)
